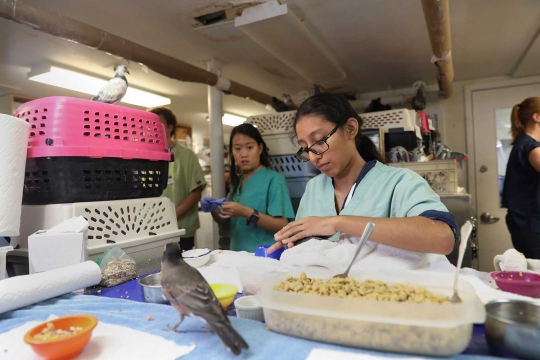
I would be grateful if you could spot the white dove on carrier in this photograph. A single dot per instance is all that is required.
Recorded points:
(115, 89)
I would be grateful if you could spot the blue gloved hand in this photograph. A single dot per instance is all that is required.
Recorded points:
(209, 204)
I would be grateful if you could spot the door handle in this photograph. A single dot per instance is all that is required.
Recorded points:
(487, 218)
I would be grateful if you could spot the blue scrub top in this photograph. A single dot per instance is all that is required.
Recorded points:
(265, 191)
(521, 191)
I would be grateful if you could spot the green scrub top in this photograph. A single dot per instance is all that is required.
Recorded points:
(385, 192)
(185, 175)
(265, 191)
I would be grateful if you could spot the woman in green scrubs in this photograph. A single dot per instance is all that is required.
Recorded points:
(258, 203)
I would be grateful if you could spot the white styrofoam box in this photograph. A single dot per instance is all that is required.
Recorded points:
(52, 251)
(274, 124)
(141, 227)
(281, 144)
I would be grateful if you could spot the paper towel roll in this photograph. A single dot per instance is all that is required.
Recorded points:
(21, 291)
(13, 145)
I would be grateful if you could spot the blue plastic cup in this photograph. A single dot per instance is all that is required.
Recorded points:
(261, 251)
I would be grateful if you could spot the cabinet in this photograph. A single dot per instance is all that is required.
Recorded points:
(10, 102)
(184, 135)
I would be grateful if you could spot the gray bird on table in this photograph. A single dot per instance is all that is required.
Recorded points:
(115, 89)
(191, 295)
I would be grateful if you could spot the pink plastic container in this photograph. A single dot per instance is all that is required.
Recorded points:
(516, 282)
(64, 126)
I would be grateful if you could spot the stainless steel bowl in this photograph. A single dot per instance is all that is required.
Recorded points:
(513, 328)
(151, 285)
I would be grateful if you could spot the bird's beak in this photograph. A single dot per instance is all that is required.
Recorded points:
(127, 71)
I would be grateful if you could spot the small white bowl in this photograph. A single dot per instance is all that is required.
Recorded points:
(247, 307)
(197, 257)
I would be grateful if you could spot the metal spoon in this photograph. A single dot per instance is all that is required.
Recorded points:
(466, 230)
(363, 240)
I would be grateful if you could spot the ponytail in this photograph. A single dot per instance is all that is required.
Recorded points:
(521, 116)
(518, 128)
(367, 149)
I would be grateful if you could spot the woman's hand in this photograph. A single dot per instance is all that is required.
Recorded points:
(233, 209)
(303, 228)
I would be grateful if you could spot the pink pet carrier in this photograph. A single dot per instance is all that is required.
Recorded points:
(81, 150)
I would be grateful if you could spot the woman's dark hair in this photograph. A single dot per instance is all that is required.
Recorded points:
(168, 115)
(336, 109)
(252, 132)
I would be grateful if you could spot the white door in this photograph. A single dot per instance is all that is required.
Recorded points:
(491, 109)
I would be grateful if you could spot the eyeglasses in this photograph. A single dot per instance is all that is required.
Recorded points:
(318, 148)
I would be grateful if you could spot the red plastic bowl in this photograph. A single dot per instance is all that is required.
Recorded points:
(516, 282)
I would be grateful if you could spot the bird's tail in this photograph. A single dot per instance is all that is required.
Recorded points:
(231, 339)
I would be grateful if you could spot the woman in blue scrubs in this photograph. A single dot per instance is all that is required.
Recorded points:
(521, 191)
(356, 188)
(259, 202)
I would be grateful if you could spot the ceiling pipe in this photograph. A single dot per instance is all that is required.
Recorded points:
(437, 16)
(69, 29)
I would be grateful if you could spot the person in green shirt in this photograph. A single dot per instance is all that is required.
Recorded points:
(185, 183)
(258, 203)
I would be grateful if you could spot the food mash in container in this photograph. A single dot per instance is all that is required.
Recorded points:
(407, 312)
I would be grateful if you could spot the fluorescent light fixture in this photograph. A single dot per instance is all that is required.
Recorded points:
(72, 80)
(277, 30)
(230, 119)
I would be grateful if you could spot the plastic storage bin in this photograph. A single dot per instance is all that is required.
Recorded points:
(421, 329)
(297, 186)
(441, 175)
(291, 167)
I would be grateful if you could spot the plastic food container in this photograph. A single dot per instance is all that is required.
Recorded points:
(247, 307)
(421, 329)
(253, 276)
